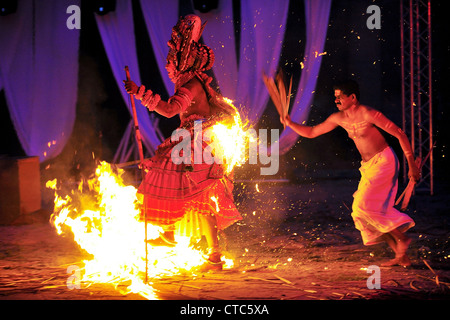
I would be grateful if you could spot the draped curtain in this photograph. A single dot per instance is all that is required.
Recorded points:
(219, 34)
(39, 75)
(160, 17)
(263, 25)
(117, 33)
(316, 15)
(262, 31)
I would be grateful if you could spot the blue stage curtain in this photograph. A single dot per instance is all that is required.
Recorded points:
(117, 33)
(317, 16)
(39, 72)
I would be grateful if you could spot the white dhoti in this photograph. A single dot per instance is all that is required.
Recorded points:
(373, 205)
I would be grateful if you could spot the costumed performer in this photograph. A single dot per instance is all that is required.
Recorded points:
(188, 198)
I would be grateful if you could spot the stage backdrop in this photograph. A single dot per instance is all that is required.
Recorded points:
(39, 75)
(317, 15)
(117, 33)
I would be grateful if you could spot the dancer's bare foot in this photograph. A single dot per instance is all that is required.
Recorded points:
(402, 246)
(212, 263)
(399, 244)
(166, 239)
(404, 261)
(398, 261)
(390, 263)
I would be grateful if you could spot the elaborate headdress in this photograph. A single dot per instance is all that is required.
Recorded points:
(186, 54)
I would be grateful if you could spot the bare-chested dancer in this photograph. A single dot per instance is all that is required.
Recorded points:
(373, 207)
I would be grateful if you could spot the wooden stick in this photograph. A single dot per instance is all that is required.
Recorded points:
(273, 92)
(282, 91)
(141, 158)
(283, 279)
(277, 92)
(136, 123)
(411, 184)
(126, 164)
(286, 111)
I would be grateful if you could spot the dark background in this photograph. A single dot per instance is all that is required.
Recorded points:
(352, 50)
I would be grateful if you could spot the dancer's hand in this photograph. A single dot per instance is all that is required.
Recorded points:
(414, 172)
(286, 121)
(130, 86)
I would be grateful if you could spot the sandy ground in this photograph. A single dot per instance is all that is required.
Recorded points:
(296, 242)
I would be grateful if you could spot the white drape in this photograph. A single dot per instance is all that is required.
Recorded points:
(263, 25)
(39, 63)
(39, 72)
(160, 17)
(317, 15)
(117, 33)
(220, 36)
(262, 31)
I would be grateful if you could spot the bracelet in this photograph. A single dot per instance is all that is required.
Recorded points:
(140, 92)
(183, 98)
(150, 100)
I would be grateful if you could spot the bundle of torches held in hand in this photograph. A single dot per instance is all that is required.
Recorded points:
(278, 94)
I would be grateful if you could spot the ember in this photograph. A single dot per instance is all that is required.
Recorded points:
(104, 221)
(231, 141)
(103, 214)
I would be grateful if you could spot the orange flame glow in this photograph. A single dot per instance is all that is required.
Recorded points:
(230, 141)
(104, 221)
(103, 215)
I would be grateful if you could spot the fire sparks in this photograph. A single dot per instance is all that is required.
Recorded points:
(213, 198)
(319, 54)
(230, 141)
(103, 216)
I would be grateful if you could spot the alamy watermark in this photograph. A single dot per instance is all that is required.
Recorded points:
(74, 20)
(74, 280)
(374, 280)
(190, 152)
(374, 20)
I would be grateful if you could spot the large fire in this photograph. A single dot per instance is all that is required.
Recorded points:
(103, 213)
(104, 221)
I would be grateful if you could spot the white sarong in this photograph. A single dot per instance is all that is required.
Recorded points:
(373, 204)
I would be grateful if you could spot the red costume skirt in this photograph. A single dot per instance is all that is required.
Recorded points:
(177, 195)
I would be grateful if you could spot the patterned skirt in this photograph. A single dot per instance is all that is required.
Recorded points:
(176, 195)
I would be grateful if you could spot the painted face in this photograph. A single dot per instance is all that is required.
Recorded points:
(343, 102)
(171, 69)
(174, 45)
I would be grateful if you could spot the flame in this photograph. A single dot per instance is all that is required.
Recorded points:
(103, 216)
(230, 141)
(214, 199)
(317, 54)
